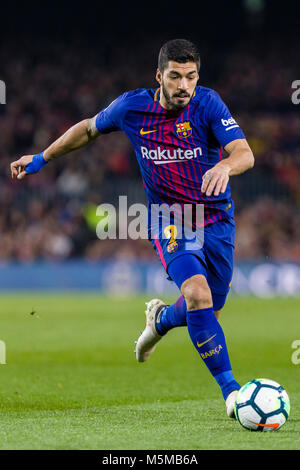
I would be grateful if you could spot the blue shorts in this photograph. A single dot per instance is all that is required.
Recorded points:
(214, 259)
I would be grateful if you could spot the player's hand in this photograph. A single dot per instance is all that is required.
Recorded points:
(215, 180)
(17, 168)
(28, 165)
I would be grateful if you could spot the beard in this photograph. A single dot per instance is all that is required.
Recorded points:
(170, 99)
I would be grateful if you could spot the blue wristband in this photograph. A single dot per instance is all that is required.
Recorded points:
(37, 163)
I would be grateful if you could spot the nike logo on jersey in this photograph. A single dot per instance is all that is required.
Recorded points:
(204, 342)
(142, 132)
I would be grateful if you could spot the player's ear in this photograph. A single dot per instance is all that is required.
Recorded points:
(158, 76)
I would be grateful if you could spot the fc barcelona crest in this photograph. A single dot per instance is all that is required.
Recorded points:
(183, 130)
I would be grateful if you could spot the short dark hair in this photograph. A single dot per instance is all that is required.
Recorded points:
(178, 50)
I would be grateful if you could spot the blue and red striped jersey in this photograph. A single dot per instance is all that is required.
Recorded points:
(175, 148)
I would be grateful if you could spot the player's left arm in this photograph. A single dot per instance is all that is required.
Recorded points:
(239, 160)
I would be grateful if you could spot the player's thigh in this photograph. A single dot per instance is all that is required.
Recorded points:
(189, 274)
(219, 253)
(181, 263)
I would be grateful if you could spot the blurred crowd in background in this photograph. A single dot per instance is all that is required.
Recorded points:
(52, 215)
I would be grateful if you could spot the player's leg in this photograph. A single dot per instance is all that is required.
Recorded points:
(159, 319)
(219, 251)
(208, 337)
(217, 314)
(174, 315)
(218, 303)
(190, 274)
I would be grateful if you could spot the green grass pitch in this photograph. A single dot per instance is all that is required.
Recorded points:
(72, 382)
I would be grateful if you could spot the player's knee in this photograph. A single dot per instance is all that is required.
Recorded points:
(196, 293)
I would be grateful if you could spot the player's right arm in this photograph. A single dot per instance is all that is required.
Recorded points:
(74, 138)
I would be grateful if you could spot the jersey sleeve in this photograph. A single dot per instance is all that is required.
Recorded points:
(223, 125)
(111, 118)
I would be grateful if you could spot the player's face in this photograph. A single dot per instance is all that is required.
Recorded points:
(177, 83)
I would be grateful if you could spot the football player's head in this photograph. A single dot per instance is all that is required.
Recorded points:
(177, 73)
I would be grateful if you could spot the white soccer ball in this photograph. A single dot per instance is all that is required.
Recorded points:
(262, 405)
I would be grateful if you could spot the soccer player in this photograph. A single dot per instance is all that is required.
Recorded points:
(178, 132)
